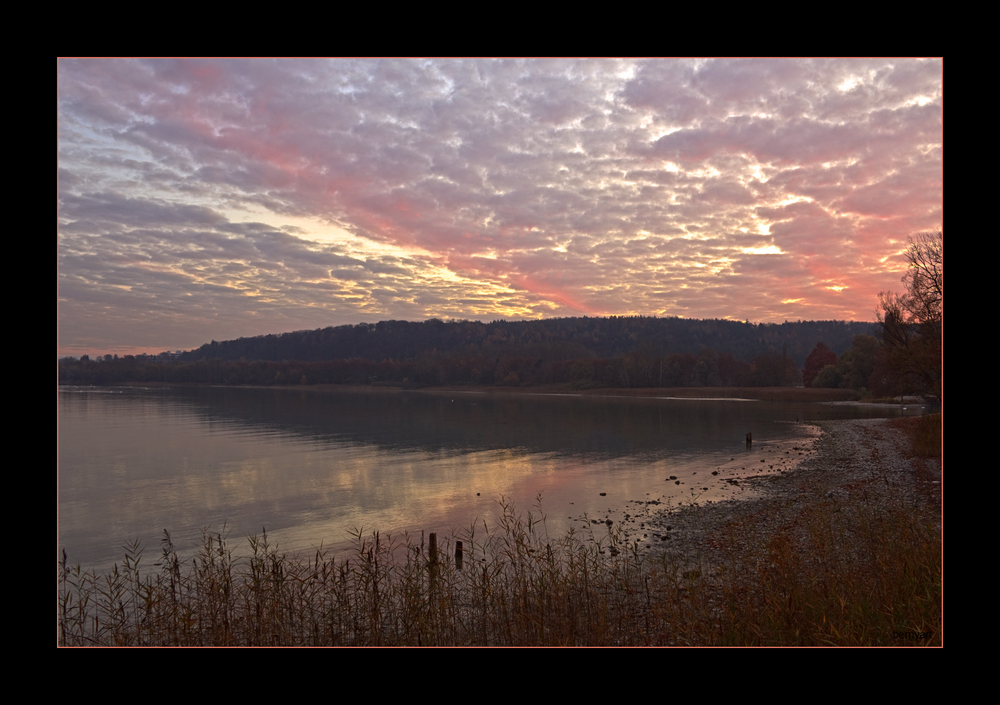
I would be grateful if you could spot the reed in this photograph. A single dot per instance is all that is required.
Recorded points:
(518, 587)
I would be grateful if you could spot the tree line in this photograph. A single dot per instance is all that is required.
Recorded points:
(549, 339)
(640, 368)
(581, 352)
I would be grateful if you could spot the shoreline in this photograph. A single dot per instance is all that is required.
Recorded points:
(851, 461)
(841, 397)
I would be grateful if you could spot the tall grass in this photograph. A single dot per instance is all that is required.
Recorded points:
(518, 587)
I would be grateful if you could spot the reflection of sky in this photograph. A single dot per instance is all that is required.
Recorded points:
(313, 466)
(205, 199)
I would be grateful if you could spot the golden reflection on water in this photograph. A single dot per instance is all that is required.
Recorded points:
(311, 466)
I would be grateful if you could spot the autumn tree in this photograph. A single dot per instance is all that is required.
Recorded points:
(820, 357)
(911, 323)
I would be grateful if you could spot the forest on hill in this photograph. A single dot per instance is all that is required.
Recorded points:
(618, 351)
(548, 339)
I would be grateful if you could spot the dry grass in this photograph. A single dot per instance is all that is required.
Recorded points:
(838, 575)
(925, 432)
(928, 437)
(516, 587)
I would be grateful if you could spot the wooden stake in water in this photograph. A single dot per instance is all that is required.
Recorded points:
(458, 555)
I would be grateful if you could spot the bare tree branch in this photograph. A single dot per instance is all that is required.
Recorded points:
(911, 323)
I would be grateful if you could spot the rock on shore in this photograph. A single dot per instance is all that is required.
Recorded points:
(863, 459)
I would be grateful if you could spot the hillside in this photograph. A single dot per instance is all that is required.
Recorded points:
(550, 339)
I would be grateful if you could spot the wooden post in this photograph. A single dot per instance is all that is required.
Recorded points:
(432, 557)
(458, 555)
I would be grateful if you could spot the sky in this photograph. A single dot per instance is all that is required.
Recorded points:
(217, 199)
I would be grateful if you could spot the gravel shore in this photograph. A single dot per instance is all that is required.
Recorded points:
(854, 461)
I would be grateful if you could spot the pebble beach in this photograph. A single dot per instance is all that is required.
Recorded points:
(850, 463)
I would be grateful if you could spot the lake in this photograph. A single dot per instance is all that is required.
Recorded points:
(312, 465)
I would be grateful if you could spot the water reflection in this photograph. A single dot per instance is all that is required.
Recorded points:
(310, 465)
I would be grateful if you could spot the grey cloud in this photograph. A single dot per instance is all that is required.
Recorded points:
(511, 158)
(122, 210)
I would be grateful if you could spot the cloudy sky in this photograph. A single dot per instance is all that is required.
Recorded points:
(213, 199)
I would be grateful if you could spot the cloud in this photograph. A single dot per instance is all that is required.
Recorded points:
(327, 190)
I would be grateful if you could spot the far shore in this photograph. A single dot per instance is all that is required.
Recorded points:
(842, 396)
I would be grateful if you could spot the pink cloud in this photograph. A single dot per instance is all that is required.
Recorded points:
(555, 169)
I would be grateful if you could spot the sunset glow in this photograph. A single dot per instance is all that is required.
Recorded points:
(214, 199)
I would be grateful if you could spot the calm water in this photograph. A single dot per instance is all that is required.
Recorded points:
(310, 465)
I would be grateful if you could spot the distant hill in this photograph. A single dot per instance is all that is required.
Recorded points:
(551, 339)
